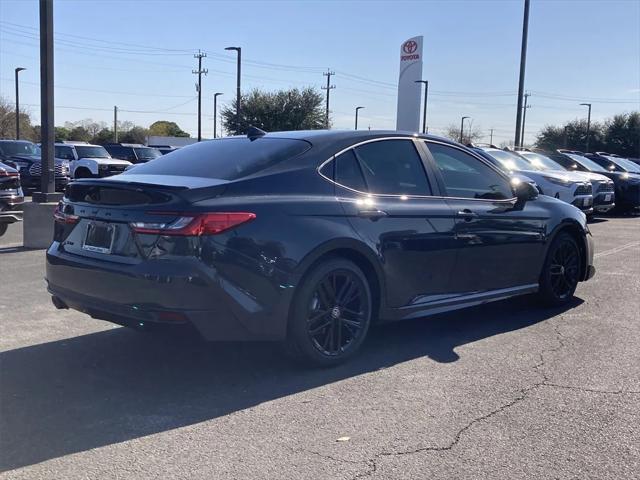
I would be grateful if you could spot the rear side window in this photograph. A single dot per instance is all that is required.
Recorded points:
(225, 158)
(392, 167)
(348, 172)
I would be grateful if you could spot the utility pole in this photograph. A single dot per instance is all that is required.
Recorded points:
(461, 127)
(328, 88)
(524, 118)
(215, 113)
(18, 70)
(588, 125)
(115, 124)
(523, 63)
(238, 97)
(424, 106)
(47, 185)
(200, 55)
(357, 108)
(491, 137)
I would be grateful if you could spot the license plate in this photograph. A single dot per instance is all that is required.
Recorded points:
(99, 237)
(607, 197)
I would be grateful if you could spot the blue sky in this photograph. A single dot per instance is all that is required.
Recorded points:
(139, 55)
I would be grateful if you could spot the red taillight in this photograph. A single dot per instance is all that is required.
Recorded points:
(193, 224)
(4, 173)
(60, 216)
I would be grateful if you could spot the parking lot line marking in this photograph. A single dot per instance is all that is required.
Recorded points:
(617, 249)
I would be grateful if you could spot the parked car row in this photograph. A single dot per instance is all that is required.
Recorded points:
(594, 183)
(73, 160)
(11, 197)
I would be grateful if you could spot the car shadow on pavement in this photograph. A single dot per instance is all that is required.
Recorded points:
(80, 393)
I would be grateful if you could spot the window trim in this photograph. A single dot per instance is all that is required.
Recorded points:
(430, 180)
(443, 188)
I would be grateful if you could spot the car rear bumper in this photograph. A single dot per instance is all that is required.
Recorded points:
(166, 291)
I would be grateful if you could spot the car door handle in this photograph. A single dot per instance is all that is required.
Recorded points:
(467, 214)
(372, 214)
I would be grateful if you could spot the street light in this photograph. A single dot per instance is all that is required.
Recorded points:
(461, 127)
(357, 108)
(424, 107)
(586, 150)
(239, 50)
(18, 70)
(215, 113)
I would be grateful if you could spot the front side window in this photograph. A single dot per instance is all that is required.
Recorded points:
(65, 153)
(392, 167)
(465, 176)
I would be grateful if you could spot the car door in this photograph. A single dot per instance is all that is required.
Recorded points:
(500, 240)
(387, 196)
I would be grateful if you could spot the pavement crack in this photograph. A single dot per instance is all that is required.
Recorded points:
(590, 390)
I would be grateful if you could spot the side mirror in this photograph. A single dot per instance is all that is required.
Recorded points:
(524, 191)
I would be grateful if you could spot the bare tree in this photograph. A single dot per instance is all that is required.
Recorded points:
(470, 134)
(8, 121)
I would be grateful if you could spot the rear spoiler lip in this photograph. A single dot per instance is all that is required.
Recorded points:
(162, 182)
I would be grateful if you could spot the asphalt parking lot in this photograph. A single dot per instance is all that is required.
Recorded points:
(506, 390)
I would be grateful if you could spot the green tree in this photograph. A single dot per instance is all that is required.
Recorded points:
(622, 134)
(165, 128)
(292, 109)
(8, 122)
(552, 137)
(134, 135)
(103, 136)
(62, 133)
(79, 134)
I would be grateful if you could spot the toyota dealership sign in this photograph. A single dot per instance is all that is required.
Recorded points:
(408, 114)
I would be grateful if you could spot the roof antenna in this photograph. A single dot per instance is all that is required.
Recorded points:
(253, 133)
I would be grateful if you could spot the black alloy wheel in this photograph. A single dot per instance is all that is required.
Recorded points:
(561, 271)
(331, 314)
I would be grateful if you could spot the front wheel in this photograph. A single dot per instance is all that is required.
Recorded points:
(561, 271)
(330, 315)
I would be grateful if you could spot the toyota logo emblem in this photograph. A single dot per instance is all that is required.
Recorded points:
(410, 46)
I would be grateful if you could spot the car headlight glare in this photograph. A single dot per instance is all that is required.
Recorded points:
(558, 180)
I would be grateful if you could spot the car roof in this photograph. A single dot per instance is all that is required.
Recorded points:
(8, 140)
(329, 136)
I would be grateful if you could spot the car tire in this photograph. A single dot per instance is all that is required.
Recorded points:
(561, 271)
(330, 314)
(82, 173)
(3, 228)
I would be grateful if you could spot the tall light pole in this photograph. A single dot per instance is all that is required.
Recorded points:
(18, 70)
(586, 150)
(524, 117)
(461, 127)
(215, 113)
(357, 108)
(523, 63)
(424, 105)
(239, 51)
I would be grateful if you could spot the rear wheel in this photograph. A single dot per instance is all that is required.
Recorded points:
(3, 228)
(561, 271)
(330, 315)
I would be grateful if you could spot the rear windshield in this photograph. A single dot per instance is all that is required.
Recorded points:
(225, 158)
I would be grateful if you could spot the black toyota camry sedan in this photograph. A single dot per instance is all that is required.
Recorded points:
(309, 238)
